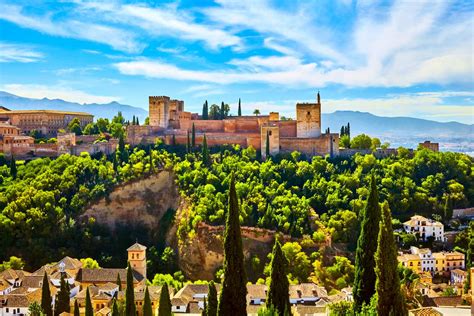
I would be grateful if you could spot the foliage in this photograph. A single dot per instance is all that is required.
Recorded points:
(336, 276)
(341, 308)
(35, 309)
(88, 309)
(232, 299)
(77, 311)
(449, 291)
(345, 141)
(239, 110)
(46, 299)
(176, 281)
(361, 141)
(364, 283)
(164, 308)
(211, 308)
(89, 263)
(469, 257)
(278, 289)
(130, 308)
(62, 298)
(74, 126)
(14, 263)
(147, 309)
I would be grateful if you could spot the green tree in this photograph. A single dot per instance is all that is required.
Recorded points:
(361, 141)
(147, 309)
(129, 293)
(193, 137)
(46, 296)
(345, 141)
(89, 263)
(239, 111)
(164, 308)
(469, 257)
(205, 111)
(74, 126)
(35, 309)
(204, 309)
(214, 112)
(188, 142)
(390, 301)
(269, 310)
(115, 310)
(62, 301)
(77, 312)
(233, 294)
(267, 146)
(364, 283)
(278, 290)
(119, 282)
(256, 112)
(13, 169)
(211, 300)
(89, 310)
(14, 263)
(205, 151)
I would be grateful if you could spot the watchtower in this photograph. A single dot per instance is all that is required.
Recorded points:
(159, 111)
(137, 258)
(270, 132)
(308, 119)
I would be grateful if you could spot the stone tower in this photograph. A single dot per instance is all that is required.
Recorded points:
(159, 108)
(137, 258)
(308, 119)
(273, 131)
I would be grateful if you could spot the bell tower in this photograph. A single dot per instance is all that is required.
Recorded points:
(137, 258)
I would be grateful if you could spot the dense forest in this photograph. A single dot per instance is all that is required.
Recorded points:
(41, 200)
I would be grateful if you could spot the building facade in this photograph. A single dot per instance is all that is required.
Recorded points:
(424, 228)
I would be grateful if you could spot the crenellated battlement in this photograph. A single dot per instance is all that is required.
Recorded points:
(158, 98)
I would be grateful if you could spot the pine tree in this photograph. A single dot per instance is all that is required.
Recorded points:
(278, 296)
(204, 309)
(89, 310)
(211, 300)
(13, 170)
(188, 143)
(193, 137)
(364, 281)
(164, 309)
(147, 309)
(119, 282)
(77, 312)
(62, 302)
(129, 293)
(267, 146)
(205, 151)
(234, 291)
(46, 297)
(390, 301)
(115, 310)
(240, 109)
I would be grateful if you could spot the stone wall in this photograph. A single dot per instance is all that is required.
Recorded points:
(273, 137)
(308, 117)
(323, 145)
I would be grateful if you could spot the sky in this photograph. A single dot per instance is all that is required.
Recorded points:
(391, 58)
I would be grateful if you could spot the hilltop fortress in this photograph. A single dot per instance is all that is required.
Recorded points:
(168, 120)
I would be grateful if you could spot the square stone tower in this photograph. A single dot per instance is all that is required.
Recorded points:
(273, 131)
(137, 258)
(159, 108)
(308, 119)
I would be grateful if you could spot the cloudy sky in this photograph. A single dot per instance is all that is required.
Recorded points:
(391, 58)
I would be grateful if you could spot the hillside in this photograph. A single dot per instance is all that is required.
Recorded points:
(108, 110)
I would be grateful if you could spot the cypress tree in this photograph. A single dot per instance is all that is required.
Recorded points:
(390, 300)
(89, 310)
(204, 310)
(129, 294)
(205, 111)
(348, 130)
(115, 311)
(267, 146)
(173, 141)
(364, 281)
(188, 143)
(147, 309)
(342, 130)
(239, 113)
(13, 170)
(77, 312)
(222, 110)
(211, 300)
(119, 282)
(234, 291)
(193, 136)
(138, 123)
(205, 151)
(133, 120)
(278, 296)
(469, 254)
(62, 302)
(46, 297)
(164, 308)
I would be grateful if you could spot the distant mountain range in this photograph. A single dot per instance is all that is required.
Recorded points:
(108, 110)
(399, 131)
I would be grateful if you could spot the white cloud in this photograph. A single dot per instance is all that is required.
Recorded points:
(119, 39)
(10, 52)
(55, 92)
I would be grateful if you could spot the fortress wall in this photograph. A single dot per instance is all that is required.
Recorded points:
(207, 125)
(230, 126)
(311, 146)
(287, 128)
(248, 126)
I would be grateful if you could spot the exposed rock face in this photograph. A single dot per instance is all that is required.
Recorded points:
(139, 202)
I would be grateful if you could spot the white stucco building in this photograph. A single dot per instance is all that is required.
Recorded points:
(424, 228)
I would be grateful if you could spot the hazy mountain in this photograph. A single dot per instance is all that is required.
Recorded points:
(108, 110)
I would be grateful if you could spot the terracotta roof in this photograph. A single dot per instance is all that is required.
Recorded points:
(136, 246)
(69, 263)
(307, 290)
(105, 275)
(310, 310)
(442, 301)
(425, 311)
(109, 286)
(256, 291)
(43, 111)
(459, 272)
(104, 311)
(193, 308)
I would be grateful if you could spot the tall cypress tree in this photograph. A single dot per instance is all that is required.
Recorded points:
(62, 302)
(469, 258)
(364, 281)
(205, 151)
(77, 312)
(204, 310)
(222, 110)
(212, 300)
(193, 137)
(147, 309)
(173, 141)
(205, 111)
(234, 291)
(13, 170)
(267, 146)
(164, 309)
(115, 311)
(89, 310)
(239, 111)
(119, 282)
(348, 130)
(188, 143)
(129, 293)
(390, 301)
(278, 295)
(46, 297)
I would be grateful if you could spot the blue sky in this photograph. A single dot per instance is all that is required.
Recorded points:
(391, 58)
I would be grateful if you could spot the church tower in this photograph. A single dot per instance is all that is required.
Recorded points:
(137, 258)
